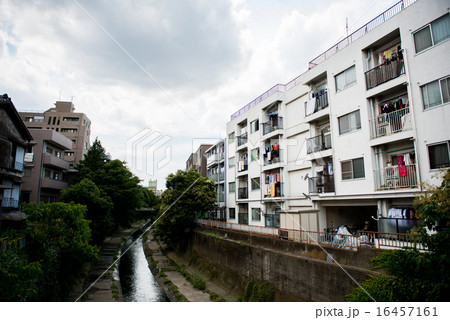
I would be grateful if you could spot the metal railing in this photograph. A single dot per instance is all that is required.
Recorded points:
(16, 165)
(396, 177)
(320, 102)
(386, 15)
(10, 203)
(15, 244)
(318, 143)
(272, 125)
(386, 124)
(321, 184)
(242, 139)
(216, 177)
(278, 191)
(274, 158)
(379, 240)
(242, 193)
(383, 73)
(276, 88)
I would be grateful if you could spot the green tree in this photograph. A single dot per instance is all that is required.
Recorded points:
(99, 207)
(187, 193)
(123, 188)
(415, 275)
(93, 162)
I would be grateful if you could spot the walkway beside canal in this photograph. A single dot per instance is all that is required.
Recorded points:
(107, 288)
(172, 275)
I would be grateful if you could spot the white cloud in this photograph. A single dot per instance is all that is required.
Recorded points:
(211, 57)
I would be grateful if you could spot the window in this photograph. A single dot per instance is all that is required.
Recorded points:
(254, 154)
(353, 169)
(69, 154)
(68, 130)
(232, 187)
(231, 162)
(437, 31)
(231, 137)
(345, 79)
(439, 155)
(58, 154)
(350, 122)
(436, 93)
(232, 213)
(254, 126)
(256, 184)
(49, 150)
(27, 172)
(256, 214)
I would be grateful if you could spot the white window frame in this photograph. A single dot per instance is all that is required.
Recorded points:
(443, 90)
(351, 129)
(345, 74)
(429, 26)
(257, 215)
(352, 172)
(436, 144)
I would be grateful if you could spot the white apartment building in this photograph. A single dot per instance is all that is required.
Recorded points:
(215, 170)
(355, 135)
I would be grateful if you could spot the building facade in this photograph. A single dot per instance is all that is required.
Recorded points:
(215, 170)
(45, 170)
(349, 141)
(14, 137)
(197, 160)
(63, 119)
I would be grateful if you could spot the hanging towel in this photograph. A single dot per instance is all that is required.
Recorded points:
(402, 170)
(310, 106)
(272, 189)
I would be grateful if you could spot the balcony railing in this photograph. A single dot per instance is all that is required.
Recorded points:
(272, 125)
(321, 184)
(318, 143)
(242, 139)
(243, 193)
(384, 73)
(396, 177)
(9, 203)
(319, 102)
(276, 191)
(217, 177)
(16, 165)
(212, 158)
(275, 157)
(386, 124)
(242, 165)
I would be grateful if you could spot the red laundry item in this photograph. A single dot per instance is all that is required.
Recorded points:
(402, 170)
(400, 160)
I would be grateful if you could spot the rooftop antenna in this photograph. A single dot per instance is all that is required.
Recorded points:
(346, 25)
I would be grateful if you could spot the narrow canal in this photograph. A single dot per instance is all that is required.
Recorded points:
(136, 279)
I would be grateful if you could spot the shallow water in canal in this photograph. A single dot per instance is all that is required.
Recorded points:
(136, 279)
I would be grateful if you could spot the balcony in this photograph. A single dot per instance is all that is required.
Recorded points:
(321, 184)
(387, 124)
(16, 165)
(242, 165)
(242, 139)
(212, 158)
(53, 161)
(275, 157)
(396, 177)
(216, 177)
(273, 124)
(9, 203)
(274, 190)
(318, 143)
(317, 103)
(53, 184)
(242, 193)
(383, 73)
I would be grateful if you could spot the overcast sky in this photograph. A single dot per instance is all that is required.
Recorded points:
(172, 70)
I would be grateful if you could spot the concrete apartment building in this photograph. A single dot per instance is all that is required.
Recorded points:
(215, 170)
(63, 119)
(352, 138)
(14, 137)
(44, 174)
(197, 160)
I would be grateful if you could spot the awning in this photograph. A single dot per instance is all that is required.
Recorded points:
(300, 211)
(13, 216)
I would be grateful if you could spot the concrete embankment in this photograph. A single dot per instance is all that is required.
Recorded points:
(179, 280)
(298, 271)
(103, 286)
